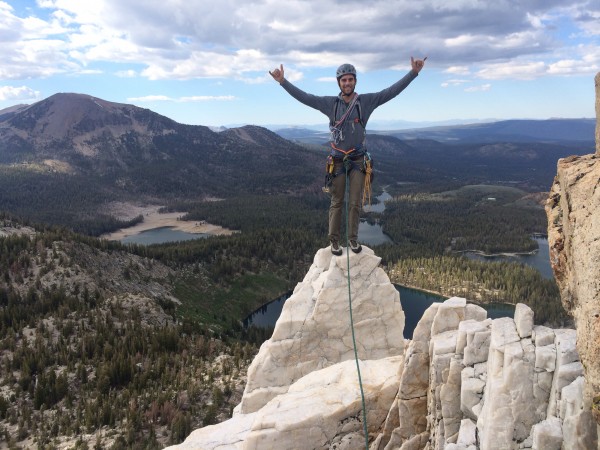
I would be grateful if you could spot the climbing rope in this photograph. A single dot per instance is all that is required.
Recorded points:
(348, 167)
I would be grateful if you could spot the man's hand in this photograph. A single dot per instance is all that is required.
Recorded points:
(418, 64)
(277, 74)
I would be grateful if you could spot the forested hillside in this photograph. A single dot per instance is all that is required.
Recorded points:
(91, 343)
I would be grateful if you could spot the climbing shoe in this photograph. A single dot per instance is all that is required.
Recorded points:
(355, 247)
(335, 248)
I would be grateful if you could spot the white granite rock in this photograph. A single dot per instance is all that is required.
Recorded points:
(524, 320)
(313, 331)
(229, 435)
(471, 393)
(542, 336)
(451, 400)
(547, 435)
(545, 358)
(566, 346)
(478, 338)
(475, 312)
(467, 433)
(449, 315)
(317, 409)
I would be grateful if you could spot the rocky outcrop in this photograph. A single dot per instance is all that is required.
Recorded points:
(303, 390)
(313, 331)
(573, 210)
(464, 381)
(491, 384)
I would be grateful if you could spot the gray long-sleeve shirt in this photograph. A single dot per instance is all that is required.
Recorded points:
(353, 131)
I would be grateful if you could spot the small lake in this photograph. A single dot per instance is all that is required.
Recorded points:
(539, 260)
(372, 234)
(161, 235)
(380, 206)
(414, 303)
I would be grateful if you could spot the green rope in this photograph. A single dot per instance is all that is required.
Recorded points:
(347, 166)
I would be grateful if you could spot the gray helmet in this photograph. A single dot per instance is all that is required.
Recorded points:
(345, 69)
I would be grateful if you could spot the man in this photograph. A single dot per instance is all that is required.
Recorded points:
(348, 114)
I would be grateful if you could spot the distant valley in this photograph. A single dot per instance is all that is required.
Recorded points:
(548, 131)
(63, 159)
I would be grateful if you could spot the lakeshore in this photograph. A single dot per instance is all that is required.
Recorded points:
(153, 219)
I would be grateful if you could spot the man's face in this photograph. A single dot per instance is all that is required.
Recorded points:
(347, 84)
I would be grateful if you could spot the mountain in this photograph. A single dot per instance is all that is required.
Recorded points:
(65, 156)
(548, 131)
(94, 136)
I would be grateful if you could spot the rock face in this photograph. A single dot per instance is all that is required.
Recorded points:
(573, 210)
(464, 382)
(313, 331)
(474, 383)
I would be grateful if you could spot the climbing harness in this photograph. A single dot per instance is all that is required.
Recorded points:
(354, 159)
(347, 167)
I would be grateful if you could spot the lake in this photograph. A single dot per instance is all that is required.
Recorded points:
(539, 260)
(161, 235)
(368, 234)
(414, 303)
(372, 234)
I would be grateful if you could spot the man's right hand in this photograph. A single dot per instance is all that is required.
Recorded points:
(277, 74)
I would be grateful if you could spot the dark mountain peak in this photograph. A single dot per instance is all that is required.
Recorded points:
(67, 114)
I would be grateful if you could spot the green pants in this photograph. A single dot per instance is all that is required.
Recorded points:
(356, 179)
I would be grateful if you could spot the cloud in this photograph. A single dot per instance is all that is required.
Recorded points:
(196, 98)
(458, 70)
(235, 39)
(126, 73)
(21, 93)
(481, 88)
(455, 82)
(515, 70)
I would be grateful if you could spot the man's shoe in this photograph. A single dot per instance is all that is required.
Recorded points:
(335, 248)
(355, 247)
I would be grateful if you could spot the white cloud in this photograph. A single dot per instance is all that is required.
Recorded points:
(126, 73)
(235, 39)
(458, 70)
(151, 98)
(196, 98)
(481, 88)
(515, 70)
(207, 98)
(455, 82)
(21, 93)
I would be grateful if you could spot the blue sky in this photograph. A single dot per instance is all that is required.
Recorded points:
(206, 62)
